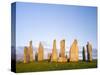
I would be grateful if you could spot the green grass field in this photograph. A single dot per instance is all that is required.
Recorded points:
(49, 66)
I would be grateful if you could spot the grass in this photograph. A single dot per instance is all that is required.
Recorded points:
(49, 66)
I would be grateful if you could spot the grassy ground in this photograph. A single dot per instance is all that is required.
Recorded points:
(46, 66)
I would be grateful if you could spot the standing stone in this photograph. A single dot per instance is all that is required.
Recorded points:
(89, 51)
(62, 48)
(54, 52)
(36, 56)
(83, 53)
(40, 52)
(26, 55)
(30, 51)
(49, 57)
(73, 55)
(62, 57)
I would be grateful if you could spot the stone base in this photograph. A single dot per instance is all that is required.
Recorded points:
(62, 59)
(73, 60)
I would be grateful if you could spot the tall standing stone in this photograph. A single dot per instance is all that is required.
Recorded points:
(84, 54)
(26, 55)
(73, 55)
(40, 52)
(31, 51)
(62, 57)
(62, 48)
(89, 51)
(54, 52)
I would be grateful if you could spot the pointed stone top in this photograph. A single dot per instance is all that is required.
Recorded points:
(31, 42)
(83, 47)
(40, 44)
(25, 47)
(63, 40)
(54, 40)
(88, 43)
(75, 41)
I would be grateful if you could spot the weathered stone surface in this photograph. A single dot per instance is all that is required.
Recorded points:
(54, 52)
(26, 55)
(84, 54)
(30, 48)
(89, 51)
(62, 48)
(62, 57)
(73, 55)
(40, 52)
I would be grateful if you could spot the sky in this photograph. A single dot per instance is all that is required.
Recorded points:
(46, 22)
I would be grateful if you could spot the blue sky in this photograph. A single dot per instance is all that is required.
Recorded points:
(46, 22)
